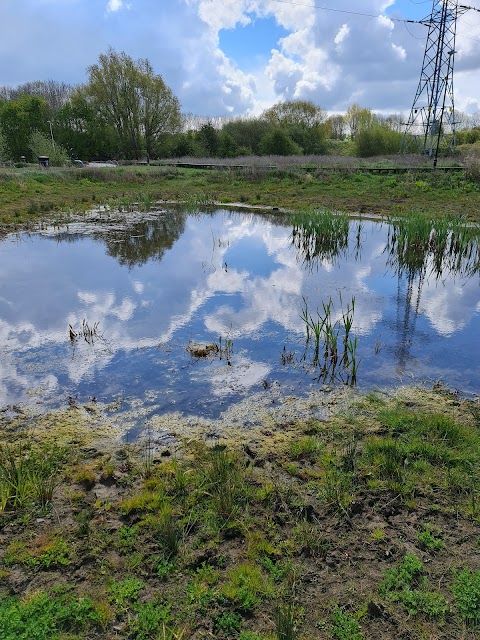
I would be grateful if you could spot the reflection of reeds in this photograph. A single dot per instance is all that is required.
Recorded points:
(86, 332)
(332, 334)
(319, 234)
(449, 244)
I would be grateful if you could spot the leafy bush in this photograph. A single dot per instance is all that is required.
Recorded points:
(42, 145)
(278, 143)
(377, 140)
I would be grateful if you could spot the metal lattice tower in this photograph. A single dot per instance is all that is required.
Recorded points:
(431, 125)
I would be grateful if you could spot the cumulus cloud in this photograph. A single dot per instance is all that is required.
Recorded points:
(329, 57)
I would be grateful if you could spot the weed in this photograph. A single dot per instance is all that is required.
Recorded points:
(345, 626)
(331, 334)
(164, 567)
(309, 540)
(148, 500)
(378, 534)
(228, 622)
(198, 202)
(320, 234)
(224, 483)
(47, 615)
(245, 584)
(427, 539)
(167, 530)
(306, 448)
(85, 476)
(337, 490)
(285, 622)
(147, 457)
(275, 568)
(406, 585)
(45, 552)
(151, 617)
(466, 590)
(127, 538)
(388, 457)
(124, 592)
(403, 575)
(87, 332)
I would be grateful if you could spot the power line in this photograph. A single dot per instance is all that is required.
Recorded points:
(352, 13)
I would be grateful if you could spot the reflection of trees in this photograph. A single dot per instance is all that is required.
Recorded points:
(419, 248)
(139, 242)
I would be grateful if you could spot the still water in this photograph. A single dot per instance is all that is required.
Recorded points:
(146, 288)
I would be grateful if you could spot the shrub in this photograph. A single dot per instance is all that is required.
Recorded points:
(41, 145)
(377, 140)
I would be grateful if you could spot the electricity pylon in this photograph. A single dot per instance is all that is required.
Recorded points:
(431, 125)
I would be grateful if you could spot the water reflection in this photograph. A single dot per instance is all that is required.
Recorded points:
(153, 285)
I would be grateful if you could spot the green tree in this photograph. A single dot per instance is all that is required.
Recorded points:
(358, 118)
(83, 131)
(302, 122)
(42, 145)
(295, 113)
(336, 127)
(247, 133)
(208, 140)
(3, 149)
(18, 120)
(132, 98)
(377, 139)
(228, 146)
(277, 143)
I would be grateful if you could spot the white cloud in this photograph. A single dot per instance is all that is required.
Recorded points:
(114, 5)
(331, 58)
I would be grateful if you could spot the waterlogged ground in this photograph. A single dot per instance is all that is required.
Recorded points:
(136, 291)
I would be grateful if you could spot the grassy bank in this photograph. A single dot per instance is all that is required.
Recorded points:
(28, 195)
(362, 526)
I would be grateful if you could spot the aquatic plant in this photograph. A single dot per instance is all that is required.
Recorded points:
(332, 334)
(319, 234)
(196, 202)
(444, 245)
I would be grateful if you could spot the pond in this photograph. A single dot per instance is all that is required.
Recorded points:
(191, 312)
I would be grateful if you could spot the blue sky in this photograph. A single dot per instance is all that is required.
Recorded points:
(228, 57)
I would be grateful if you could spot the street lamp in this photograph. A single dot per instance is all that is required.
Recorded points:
(51, 133)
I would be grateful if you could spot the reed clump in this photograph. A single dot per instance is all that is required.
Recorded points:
(319, 234)
(331, 340)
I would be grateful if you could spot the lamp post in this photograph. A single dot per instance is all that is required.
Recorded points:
(51, 133)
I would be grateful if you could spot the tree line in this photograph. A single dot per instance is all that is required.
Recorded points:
(126, 111)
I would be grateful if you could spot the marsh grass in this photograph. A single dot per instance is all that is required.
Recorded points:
(334, 348)
(319, 234)
(285, 622)
(196, 202)
(418, 244)
(224, 483)
(28, 476)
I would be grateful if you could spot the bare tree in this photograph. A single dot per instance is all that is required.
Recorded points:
(55, 93)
